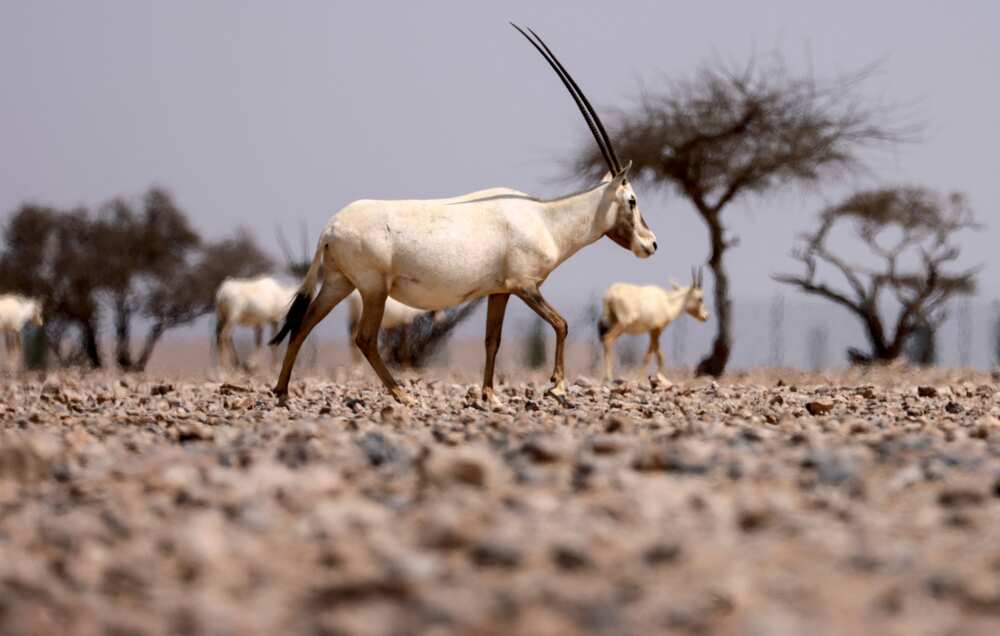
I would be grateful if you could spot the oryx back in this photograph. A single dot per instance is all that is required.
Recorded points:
(436, 253)
(637, 308)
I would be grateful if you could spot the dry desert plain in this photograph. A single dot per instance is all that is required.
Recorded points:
(769, 502)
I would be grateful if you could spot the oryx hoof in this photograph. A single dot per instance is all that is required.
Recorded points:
(558, 391)
(491, 400)
(659, 381)
(403, 397)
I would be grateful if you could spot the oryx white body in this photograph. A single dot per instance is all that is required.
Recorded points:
(437, 253)
(248, 302)
(639, 309)
(15, 312)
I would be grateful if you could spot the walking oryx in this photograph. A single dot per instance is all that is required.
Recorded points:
(438, 253)
(15, 312)
(635, 309)
(396, 314)
(248, 302)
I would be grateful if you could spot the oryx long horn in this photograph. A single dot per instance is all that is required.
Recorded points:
(589, 115)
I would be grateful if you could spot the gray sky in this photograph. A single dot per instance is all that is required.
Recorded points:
(257, 113)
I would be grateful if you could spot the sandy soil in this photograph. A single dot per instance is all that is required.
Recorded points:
(769, 503)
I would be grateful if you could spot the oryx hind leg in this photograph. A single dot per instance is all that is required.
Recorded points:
(372, 310)
(608, 340)
(335, 288)
(533, 298)
(8, 341)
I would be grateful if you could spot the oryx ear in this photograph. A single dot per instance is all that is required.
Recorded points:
(622, 176)
(675, 284)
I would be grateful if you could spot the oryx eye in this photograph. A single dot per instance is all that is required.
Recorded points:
(631, 202)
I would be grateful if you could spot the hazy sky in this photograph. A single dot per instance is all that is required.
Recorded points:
(258, 113)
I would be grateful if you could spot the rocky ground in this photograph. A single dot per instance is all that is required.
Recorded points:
(768, 503)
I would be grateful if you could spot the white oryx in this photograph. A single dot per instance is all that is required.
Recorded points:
(248, 302)
(635, 309)
(396, 314)
(433, 254)
(15, 312)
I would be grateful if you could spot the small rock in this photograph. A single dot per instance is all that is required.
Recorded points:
(927, 391)
(491, 554)
(819, 407)
(661, 554)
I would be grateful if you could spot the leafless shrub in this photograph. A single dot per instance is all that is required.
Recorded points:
(911, 231)
(414, 344)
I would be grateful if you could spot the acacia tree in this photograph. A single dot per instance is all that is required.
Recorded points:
(726, 134)
(911, 232)
(140, 250)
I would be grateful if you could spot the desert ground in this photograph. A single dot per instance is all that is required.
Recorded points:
(768, 502)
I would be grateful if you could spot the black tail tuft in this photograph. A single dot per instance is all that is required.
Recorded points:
(602, 328)
(293, 319)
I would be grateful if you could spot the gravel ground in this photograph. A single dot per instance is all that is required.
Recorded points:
(768, 503)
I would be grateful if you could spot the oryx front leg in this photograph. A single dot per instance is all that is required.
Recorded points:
(334, 290)
(373, 307)
(495, 309)
(533, 298)
(654, 348)
(10, 344)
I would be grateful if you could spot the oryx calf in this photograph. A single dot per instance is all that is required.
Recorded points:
(635, 309)
(438, 253)
(396, 314)
(15, 312)
(248, 302)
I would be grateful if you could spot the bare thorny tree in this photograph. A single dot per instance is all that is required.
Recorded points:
(910, 231)
(730, 133)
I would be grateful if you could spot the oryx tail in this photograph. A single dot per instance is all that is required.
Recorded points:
(297, 310)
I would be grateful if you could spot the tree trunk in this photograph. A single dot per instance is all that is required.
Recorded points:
(152, 338)
(88, 342)
(123, 335)
(715, 362)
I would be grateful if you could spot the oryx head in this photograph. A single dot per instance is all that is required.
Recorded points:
(36, 313)
(628, 228)
(694, 300)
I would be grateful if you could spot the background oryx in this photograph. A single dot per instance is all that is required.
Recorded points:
(248, 302)
(396, 314)
(15, 312)
(638, 309)
(438, 253)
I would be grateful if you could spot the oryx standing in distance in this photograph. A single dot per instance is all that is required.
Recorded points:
(15, 312)
(248, 302)
(639, 309)
(433, 254)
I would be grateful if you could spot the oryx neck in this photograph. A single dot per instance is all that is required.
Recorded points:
(579, 219)
(675, 300)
